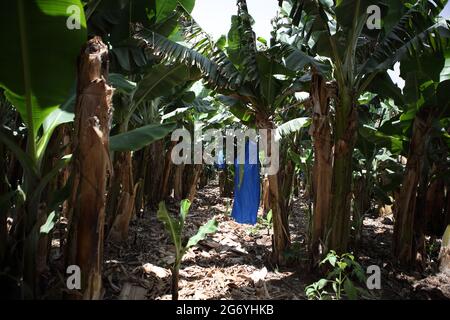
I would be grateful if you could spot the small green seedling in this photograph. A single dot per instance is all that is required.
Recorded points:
(344, 267)
(268, 220)
(174, 227)
(263, 224)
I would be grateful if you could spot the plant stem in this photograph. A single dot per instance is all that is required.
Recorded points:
(175, 278)
(31, 141)
(339, 286)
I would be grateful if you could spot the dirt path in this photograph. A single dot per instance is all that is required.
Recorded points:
(229, 264)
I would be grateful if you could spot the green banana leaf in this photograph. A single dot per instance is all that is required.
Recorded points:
(293, 125)
(138, 138)
(39, 61)
(161, 81)
(203, 231)
(172, 226)
(65, 113)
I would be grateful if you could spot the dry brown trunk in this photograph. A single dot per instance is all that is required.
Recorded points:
(125, 200)
(281, 238)
(194, 182)
(140, 174)
(63, 178)
(167, 169)
(187, 180)
(91, 163)
(178, 182)
(435, 207)
(418, 245)
(203, 181)
(287, 173)
(225, 183)
(323, 165)
(154, 175)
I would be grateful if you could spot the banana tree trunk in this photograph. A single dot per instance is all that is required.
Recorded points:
(435, 205)
(361, 202)
(418, 245)
(323, 166)
(203, 181)
(194, 182)
(178, 182)
(154, 173)
(123, 211)
(140, 175)
(167, 170)
(281, 238)
(91, 163)
(65, 130)
(344, 140)
(59, 145)
(407, 202)
(295, 186)
(287, 184)
(187, 180)
(225, 183)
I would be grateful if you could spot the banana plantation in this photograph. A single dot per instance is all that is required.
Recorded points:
(143, 158)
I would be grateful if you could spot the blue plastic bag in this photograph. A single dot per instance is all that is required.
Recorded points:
(247, 190)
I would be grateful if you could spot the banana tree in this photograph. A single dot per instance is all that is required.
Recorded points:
(360, 57)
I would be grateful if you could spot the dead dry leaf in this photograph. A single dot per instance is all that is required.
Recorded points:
(158, 271)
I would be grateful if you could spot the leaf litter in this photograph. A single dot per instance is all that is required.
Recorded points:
(234, 262)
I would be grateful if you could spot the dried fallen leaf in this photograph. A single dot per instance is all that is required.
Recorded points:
(210, 243)
(158, 271)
